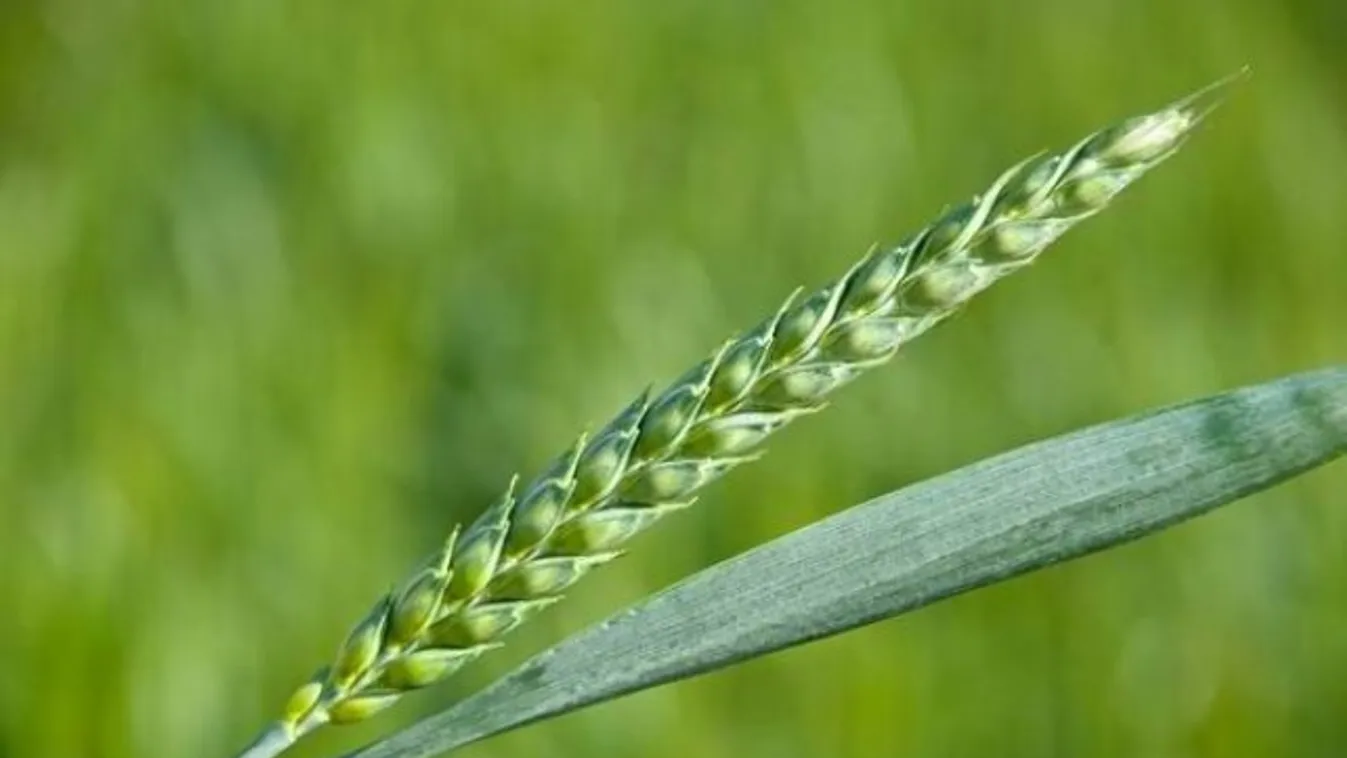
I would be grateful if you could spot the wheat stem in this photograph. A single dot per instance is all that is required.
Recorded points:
(653, 458)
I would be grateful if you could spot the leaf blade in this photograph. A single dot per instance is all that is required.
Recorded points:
(1041, 504)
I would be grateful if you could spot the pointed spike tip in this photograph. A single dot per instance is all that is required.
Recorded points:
(1201, 103)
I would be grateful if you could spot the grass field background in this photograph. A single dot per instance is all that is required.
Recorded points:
(287, 288)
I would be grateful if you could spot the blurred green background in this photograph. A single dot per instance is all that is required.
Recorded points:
(288, 287)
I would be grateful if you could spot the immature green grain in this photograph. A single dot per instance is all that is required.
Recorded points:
(535, 541)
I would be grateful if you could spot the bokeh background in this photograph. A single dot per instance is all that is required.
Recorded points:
(288, 287)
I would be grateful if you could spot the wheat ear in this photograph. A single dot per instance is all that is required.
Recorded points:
(536, 541)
